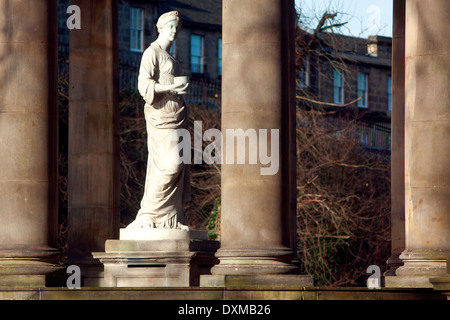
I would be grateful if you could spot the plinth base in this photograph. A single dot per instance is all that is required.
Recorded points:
(157, 263)
(260, 282)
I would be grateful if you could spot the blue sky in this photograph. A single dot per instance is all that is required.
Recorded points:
(363, 17)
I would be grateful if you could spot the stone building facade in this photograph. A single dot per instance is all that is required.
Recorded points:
(202, 23)
(350, 76)
(349, 57)
(200, 35)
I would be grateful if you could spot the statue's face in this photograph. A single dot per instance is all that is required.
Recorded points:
(170, 30)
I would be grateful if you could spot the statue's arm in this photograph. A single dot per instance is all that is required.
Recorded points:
(146, 79)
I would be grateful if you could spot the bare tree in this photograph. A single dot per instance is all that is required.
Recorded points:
(343, 191)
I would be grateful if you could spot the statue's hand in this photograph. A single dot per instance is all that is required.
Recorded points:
(171, 88)
(180, 88)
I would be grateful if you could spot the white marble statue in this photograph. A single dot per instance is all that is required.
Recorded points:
(167, 185)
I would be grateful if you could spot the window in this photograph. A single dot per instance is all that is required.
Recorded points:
(338, 87)
(219, 57)
(136, 29)
(389, 91)
(363, 138)
(362, 89)
(173, 50)
(303, 74)
(196, 54)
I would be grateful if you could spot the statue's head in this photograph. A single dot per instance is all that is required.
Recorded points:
(169, 24)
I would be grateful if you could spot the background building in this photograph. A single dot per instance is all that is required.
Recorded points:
(198, 47)
(349, 76)
(336, 70)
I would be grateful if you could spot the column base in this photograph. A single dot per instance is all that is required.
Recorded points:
(256, 261)
(394, 262)
(418, 268)
(27, 267)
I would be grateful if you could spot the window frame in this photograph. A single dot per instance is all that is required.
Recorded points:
(364, 102)
(389, 92)
(201, 57)
(219, 57)
(303, 74)
(137, 32)
(338, 88)
(173, 49)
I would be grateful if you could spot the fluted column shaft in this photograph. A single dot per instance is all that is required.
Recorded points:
(28, 139)
(258, 223)
(93, 185)
(427, 136)
(397, 137)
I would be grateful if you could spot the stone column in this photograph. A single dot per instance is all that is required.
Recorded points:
(258, 222)
(397, 138)
(93, 185)
(427, 136)
(28, 141)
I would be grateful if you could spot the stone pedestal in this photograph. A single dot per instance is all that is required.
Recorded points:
(175, 260)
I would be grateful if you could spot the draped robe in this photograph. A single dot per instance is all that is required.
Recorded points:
(167, 186)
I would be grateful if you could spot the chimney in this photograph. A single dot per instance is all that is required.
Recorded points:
(372, 46)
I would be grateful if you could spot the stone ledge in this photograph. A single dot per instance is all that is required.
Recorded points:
(441, 283)
(219, 294)
(260, 282)
(21, 280)
(407, 282)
